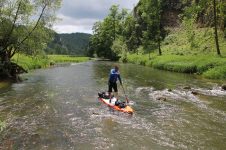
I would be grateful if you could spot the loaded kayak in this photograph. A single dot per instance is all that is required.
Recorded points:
(113, 103)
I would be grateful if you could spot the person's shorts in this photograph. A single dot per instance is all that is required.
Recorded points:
(112, 85)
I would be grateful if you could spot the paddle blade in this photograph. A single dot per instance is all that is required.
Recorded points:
(131, 103)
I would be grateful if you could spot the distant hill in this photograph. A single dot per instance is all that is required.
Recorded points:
(69, 44)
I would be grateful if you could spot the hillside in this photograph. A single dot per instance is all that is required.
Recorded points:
(70, 44)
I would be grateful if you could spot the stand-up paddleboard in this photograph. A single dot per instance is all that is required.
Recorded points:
(119, 106)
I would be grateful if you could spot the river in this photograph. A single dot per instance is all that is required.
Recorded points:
(57, 109)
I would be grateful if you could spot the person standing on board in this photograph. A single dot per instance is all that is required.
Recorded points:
(112, 82)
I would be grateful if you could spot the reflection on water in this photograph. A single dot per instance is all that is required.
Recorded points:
(57, 108)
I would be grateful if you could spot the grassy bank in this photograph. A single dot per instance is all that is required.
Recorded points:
(67, 58)
(30, 63)
(180, 54)
(209, 66)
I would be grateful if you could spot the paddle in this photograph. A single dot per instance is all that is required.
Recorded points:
(127, 101)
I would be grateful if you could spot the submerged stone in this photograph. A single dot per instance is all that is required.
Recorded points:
(187, 87)
(224, 87)
(194, 93)
(161, 98)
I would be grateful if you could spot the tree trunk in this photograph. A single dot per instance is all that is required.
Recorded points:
(149, 55)
(6, 67)
(10, 70)
(159, 46)
(215, 28)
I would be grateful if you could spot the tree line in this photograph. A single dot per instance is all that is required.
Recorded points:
(145, 27)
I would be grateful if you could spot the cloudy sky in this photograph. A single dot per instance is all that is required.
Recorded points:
(80, 15)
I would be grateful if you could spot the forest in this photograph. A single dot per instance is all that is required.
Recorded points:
(69, 44)
(180, 35)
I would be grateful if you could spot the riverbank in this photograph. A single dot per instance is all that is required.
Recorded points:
(211, 67)
(196, 55)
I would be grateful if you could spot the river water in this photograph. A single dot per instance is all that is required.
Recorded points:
(57, 109)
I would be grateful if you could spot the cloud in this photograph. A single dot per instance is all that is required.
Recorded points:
(80, 15)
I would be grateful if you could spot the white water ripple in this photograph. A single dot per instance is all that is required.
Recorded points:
(188, 97)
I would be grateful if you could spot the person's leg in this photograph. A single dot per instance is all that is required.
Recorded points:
(110, 90)
(115, 90)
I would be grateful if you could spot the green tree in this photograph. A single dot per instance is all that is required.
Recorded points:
(120, 48)
(149, 16)
(131, 33)
(114, 17)
(24, 27)
(106, 32)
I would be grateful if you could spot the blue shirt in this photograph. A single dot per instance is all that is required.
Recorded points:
(114, 75)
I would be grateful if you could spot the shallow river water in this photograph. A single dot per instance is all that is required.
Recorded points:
(58, 109)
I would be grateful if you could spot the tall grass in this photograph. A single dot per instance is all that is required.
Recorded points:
(138, 59)
(209, 66)
(29, 63)
(66, 58)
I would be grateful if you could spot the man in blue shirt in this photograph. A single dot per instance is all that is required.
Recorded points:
(112, 82)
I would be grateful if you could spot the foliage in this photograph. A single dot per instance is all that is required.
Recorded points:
(203, 42)
(150, 15)
(189, 26)
(105, 32)
(120, 48)
(131, 33)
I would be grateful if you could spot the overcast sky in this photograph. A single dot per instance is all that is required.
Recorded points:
(80, 15)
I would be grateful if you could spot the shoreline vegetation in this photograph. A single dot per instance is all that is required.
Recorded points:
(180, 56)
(30, 63)
(210, 67)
